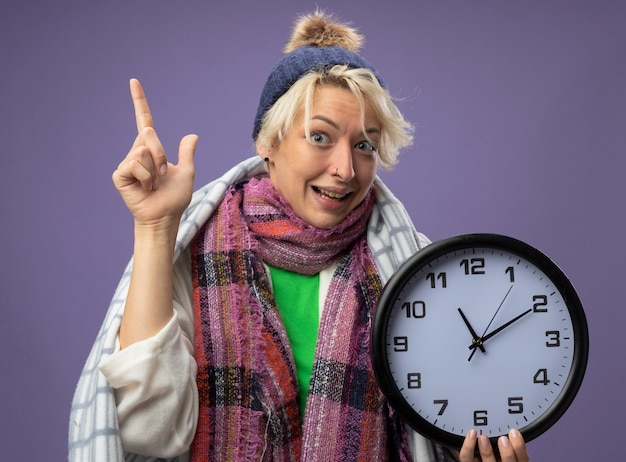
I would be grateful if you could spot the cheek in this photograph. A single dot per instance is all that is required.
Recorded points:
(290, 182)
(366, 173)
(299, 173)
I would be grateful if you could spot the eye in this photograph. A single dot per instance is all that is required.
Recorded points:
(365, 146)
(319, 138)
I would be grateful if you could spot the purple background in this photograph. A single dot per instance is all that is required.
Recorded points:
(520, 115)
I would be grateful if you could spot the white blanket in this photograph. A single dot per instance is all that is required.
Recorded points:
(93, 431)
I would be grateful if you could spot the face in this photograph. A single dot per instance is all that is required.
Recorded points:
(326, 176)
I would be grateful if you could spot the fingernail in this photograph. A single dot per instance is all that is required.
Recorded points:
(504, 442)
(484, 441)
(163, 169)
(514, 433)
(471, 434)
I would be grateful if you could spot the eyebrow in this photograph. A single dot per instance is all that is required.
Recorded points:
(332, 123)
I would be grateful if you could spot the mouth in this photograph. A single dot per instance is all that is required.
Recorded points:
(331, 195)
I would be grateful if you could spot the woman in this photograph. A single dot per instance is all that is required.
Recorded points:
(254, 345)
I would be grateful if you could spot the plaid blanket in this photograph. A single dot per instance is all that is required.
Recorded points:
(93, 427)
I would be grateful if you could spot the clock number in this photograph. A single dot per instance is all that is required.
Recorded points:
(414, 380)
(439, 277)
(415, 310)
(555, 338)
(541, 377)
(443, 403)
(473, 266)
(511, 272)
(540, 301)
(516, 405)
(400, 344)
(480, 418)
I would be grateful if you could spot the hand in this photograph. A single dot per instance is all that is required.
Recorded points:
(475, 338)
(480, 341)
(484, 338)
(512, 448)
(156, 192)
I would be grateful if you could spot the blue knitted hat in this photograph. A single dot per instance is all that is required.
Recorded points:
(321, 55)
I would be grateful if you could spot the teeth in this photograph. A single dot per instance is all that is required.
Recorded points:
(332, 194)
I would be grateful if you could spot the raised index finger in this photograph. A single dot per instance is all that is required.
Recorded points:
(143, 116)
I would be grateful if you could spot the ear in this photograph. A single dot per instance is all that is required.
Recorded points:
(262, 150)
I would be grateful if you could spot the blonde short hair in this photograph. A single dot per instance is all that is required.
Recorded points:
(396, 132)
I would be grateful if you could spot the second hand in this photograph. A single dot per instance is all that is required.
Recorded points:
(490, 322)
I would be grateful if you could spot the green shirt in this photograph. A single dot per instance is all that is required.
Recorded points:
(297, 299)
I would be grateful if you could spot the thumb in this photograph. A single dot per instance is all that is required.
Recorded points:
(186, 151)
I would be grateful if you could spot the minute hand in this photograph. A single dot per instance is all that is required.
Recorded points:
(484, 338)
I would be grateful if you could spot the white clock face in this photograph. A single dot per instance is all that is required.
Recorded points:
(479, 338)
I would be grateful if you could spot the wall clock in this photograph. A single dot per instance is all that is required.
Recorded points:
(479, 331)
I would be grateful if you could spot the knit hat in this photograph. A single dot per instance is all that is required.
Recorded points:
(317, 43)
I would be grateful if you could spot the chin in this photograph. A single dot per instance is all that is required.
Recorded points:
(325, 223)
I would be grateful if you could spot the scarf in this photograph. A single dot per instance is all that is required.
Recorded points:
(246, 374)
(93, 432)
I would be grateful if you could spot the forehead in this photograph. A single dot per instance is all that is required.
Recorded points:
(340, 102)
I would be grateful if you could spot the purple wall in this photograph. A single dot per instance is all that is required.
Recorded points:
(520, 109)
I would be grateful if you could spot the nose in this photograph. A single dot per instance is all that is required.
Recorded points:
(341, 162)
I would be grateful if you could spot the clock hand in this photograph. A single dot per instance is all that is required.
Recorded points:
(484, 338)
(479, 342)
(475, 337)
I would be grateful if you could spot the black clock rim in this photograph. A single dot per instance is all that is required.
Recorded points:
(437, 249)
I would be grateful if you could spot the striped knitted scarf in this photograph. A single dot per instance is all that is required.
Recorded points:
(246, 375)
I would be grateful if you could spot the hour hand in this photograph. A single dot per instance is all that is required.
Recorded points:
(476, 340)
